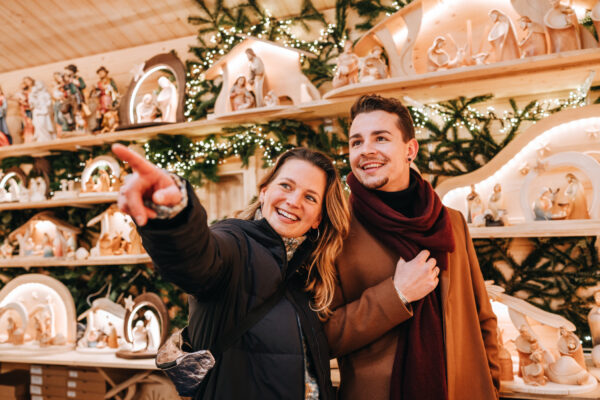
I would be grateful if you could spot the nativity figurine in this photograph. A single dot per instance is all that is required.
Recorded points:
(256, 76)
(502, 38)
(167, 100)
(107, 95)
(146, 109)
(241, 98)
(475, 208)
(567, 371)
(533, 372)
(495, 212)
(534, 42)
(439, 59)
(595, 16)
(373, 66)
(574, 195)
(526, 343)
(594, 320)
(5, 138)
(347, 67)
(40, 102)
(506, 364)
(271, 99)
(25, 109)
(569, 345)
(562, 28)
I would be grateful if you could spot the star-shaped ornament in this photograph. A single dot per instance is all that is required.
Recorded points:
(544, 149)
(540, 166)
(524, 168)
(129, 303)
(593, 132)
(137, 71)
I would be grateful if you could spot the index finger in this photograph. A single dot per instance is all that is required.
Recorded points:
(137, 162)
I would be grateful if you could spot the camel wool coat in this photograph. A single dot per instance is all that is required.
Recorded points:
(362, 332)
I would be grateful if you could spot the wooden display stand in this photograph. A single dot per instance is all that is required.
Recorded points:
(516, 77)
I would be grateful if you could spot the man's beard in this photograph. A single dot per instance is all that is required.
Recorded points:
(373, 183)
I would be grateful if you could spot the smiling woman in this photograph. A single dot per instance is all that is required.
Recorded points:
(278, 258)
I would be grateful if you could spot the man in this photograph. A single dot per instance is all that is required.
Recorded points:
(398, 331)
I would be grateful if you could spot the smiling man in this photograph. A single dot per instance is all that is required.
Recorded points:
(418, 329)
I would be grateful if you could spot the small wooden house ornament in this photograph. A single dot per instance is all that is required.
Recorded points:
(101, 175)
(44, 235)
(118, 234)
(282, 74)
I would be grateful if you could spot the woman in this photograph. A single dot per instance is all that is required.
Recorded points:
(295, 227)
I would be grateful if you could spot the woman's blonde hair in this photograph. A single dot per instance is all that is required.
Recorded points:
(334, 226)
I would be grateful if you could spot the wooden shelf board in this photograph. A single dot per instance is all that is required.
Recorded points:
(74, 358)
(528, 76)
(52, 262)
(567, 228)
(534, 75)
(71, 202)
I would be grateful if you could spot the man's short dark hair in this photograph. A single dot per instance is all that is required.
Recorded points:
(373, 102)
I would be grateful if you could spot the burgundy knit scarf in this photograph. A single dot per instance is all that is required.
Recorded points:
(420, 365)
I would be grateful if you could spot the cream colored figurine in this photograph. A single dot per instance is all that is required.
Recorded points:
(575, 196)
(526, 343)
(594, 320)
(241, 98)
(373, 66)
(567, 371)
(146, 110)
(475, 208)
(534, 43)
(502, 38)
(167, 100)
(439, 59)
(494, 215)
(347, 67)
(257, 76)
(562, 27)
(506, 365)
(533, 373)
(569, 345)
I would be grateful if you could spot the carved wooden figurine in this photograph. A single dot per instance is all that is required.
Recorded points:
(241, 98)
(533, 373)
(347, 67)
(257, 76)
(506, 365)
(439, 59)
(567, 371)
(373, 66)
(562, 27)
(594, 320)
(502, 38)
(595, 16)
(167, 100)
(534, 43)
(569, 345)
(574, 195)
(526, 343)
(494, 215)
(475, 208)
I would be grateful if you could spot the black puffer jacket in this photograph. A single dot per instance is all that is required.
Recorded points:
(228, 269)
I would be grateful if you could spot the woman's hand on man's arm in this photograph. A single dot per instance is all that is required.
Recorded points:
(147, 182)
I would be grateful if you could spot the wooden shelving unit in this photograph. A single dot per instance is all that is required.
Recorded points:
(79, 359)
(514, 78)
(567, 228)
(70, 202)
(26, 262)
